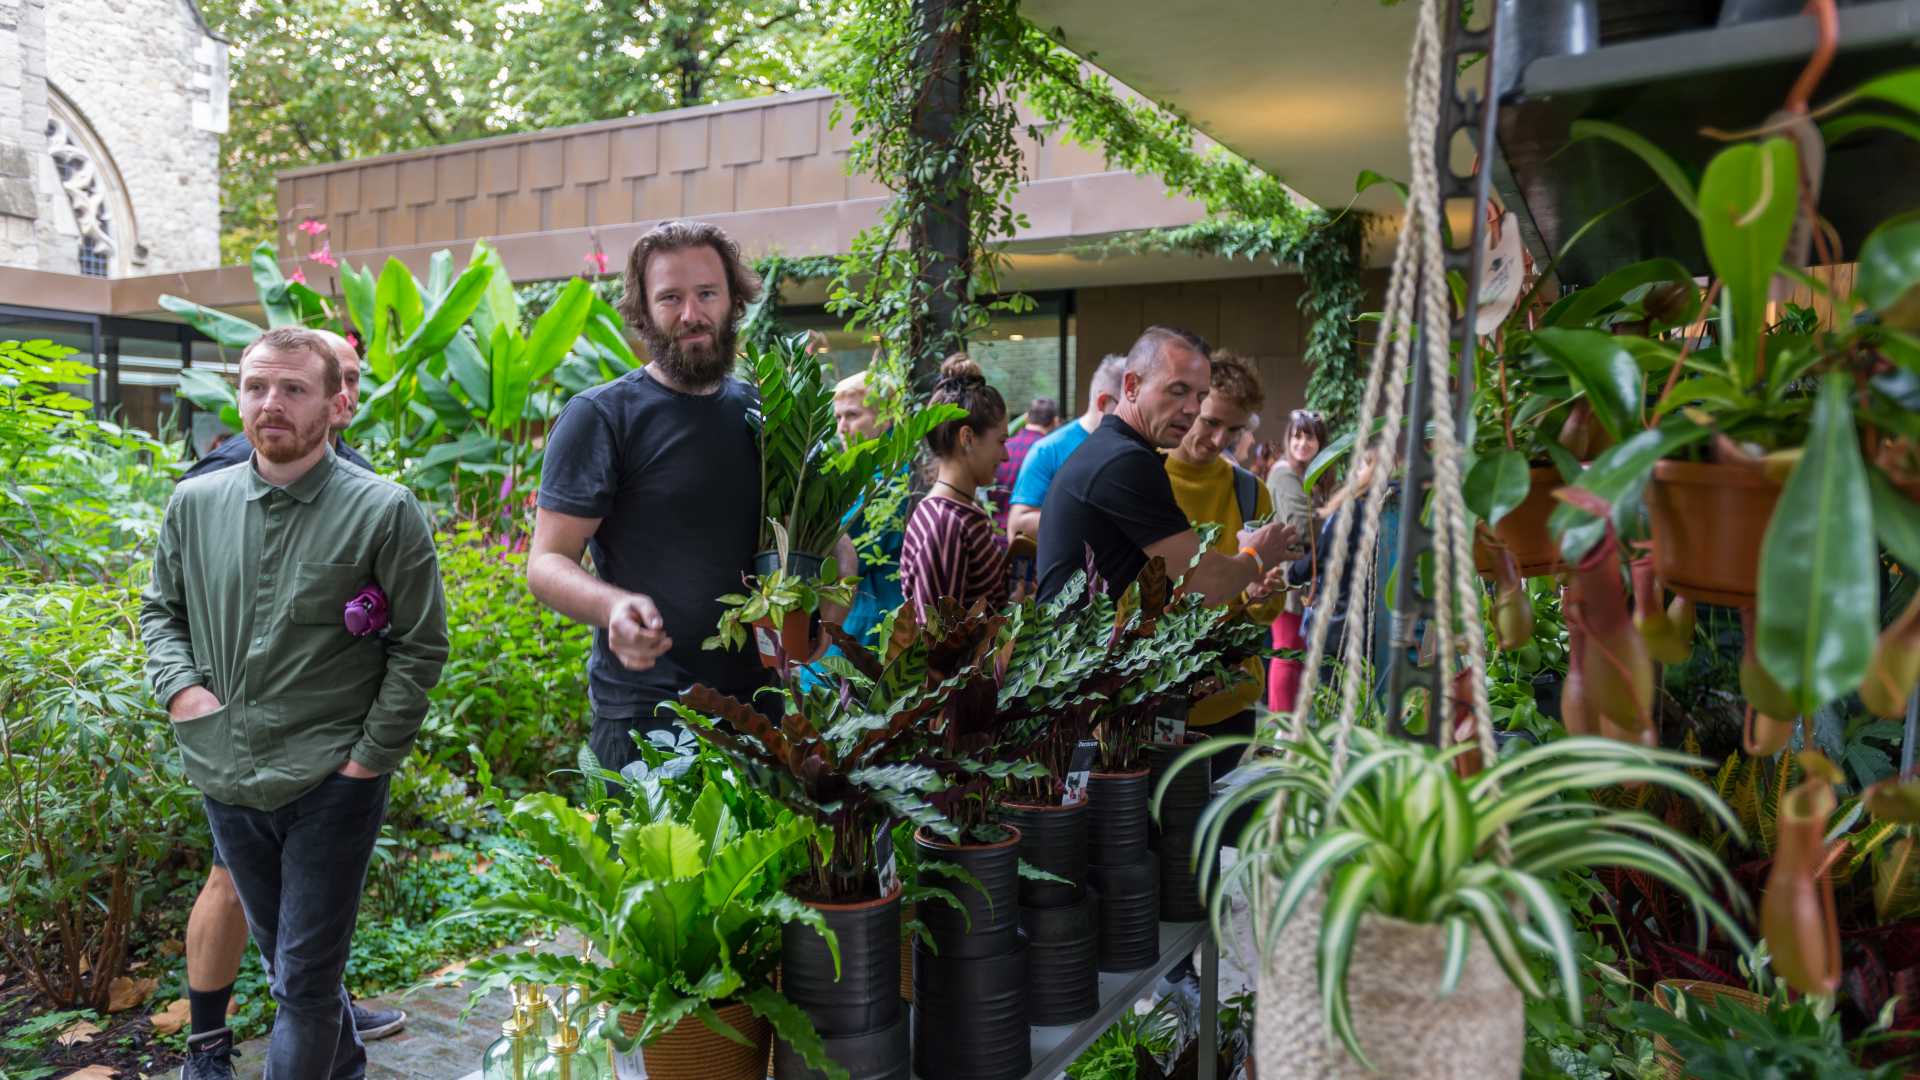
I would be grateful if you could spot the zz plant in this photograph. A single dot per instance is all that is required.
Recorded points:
(1400, 833)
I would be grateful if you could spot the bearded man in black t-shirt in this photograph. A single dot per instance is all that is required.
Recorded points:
(657, 475)
(1111, 501)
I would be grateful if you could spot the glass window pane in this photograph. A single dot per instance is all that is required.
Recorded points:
(74, 335)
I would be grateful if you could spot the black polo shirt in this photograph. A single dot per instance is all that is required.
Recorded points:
(1111, 498)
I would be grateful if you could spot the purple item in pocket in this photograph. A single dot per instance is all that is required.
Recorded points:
(366, 613)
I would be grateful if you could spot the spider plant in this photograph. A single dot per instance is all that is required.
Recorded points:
(1399, 833)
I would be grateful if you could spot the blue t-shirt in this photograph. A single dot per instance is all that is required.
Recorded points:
(1045, 459)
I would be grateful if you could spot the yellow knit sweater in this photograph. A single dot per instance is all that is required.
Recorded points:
(1205, 494)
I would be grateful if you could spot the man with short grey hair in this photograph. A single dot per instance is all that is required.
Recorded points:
(294, 624)
(1047, 455)
(1112, 502)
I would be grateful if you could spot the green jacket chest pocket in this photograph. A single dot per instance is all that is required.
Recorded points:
(321, 591)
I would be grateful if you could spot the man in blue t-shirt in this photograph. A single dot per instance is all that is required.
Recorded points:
(1047, 455)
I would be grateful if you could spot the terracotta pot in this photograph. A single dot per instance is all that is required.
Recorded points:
(1524, 529)
(691, 1052)
(797, 640)
(1703, 993)
(1708, 525)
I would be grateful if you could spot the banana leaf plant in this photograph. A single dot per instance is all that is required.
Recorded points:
(1400, 833)
(1832, 416)
(680, 916)
(452, 383)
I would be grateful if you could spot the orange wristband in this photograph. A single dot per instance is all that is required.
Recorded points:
(1258, 564)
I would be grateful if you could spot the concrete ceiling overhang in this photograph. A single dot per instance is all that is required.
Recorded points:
(1312, 91)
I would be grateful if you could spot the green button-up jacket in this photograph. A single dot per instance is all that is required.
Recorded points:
(247, 597)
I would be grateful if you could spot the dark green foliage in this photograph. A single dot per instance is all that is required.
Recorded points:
(1726, 1040)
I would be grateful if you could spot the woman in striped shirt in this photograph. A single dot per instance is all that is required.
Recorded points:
(951, 547)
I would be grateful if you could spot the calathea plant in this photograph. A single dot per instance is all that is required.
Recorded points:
(683, 915)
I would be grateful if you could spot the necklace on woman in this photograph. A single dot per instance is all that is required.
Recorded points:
(964, 497)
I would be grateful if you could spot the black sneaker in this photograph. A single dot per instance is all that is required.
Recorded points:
(373, 1024)
(209, 1056)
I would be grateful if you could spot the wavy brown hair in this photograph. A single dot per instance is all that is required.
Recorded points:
(743, 284)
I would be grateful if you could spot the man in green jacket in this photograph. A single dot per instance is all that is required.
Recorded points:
(290, 715)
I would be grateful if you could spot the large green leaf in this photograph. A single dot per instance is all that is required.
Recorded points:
(1620, 477)
(1889, 278)
(554, 332)
(469, 369)
(1900, 88)
(607, 329)
(1601, 365)
(447, 317)
(508, 379)
(213, 393)
(739, 865)
(1819, 572)
(358, 287)
(1896, 520)
(1584, 306)
(501, 307)
(1748, 199)
(1496, 484)
(228, 331)
(662, 850)
(1662, 163)
(272, 287)
(397, 309)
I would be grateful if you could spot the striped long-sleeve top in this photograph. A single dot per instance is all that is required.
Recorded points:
(952, 549)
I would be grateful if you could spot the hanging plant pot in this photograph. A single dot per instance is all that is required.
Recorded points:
(1053, 839)
(884, 1054)
(797, 640)
(865, 998)
(1405, 1025)
(1129, 913)
(986, 923)
(798, 565)
(1524, 530)
(1063, 977)
(692, 1051)
(1117, 816)
(970, 1015)
(1708, 524)
(1670, 1063)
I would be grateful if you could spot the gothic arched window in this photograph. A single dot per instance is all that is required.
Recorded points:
(102, 217)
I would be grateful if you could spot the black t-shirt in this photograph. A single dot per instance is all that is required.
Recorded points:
(1111, 497)
(236, 449)
(675, 480)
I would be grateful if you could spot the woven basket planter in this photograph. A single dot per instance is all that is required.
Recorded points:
(1405, 1026)
(691, 1052)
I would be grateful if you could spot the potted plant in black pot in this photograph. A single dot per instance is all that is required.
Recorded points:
(852, 772)
(810, 481)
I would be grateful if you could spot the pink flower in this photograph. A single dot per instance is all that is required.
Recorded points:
(353, 339)
(325, 255)
(598, 260)
(313, 226)
(506, 486)
(298, 277)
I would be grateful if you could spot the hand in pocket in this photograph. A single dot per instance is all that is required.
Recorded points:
(191, 704)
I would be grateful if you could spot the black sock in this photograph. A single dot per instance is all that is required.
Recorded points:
(208, 1008)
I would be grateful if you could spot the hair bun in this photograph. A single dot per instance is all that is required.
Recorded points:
(960, 368)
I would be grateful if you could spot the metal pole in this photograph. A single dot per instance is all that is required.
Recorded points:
(1209, 1007)
(1475, 111)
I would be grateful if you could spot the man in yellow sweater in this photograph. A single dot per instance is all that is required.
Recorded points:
(1210, 488)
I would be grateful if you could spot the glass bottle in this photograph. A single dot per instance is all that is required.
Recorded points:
(515, 1053)
(566, 1061)
(540, 1013)
(593, 1034)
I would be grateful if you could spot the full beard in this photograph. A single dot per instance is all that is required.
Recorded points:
(289, 446)
(698, 367)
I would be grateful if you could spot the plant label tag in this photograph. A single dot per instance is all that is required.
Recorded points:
(631, 1065)
(883, 858)
(768, 644)
(1170, 729)
(1078, 770)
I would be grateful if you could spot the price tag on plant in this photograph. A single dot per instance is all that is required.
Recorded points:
(1078, 770)
(631, 1065)
(1170, 729)
(883, 858)
(769, 645)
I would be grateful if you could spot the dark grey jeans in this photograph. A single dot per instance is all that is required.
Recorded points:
(299, 871)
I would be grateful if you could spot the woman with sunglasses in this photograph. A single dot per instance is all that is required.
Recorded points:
(1305, 436)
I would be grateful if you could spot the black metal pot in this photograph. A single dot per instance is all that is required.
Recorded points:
(990, 920)
(798, 565)
(1180, 899)
(1053, 839)
(883, 1054)
(1063, 978)
(1547, 686)
(1191, 790)
(1129, 913)
(1117, 816)
(865, 998)
(1531, 29)
(970, 1014)
(1631, 20)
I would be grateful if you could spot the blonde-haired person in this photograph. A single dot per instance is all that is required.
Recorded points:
(952, 548)
(1306, 435)
(1210, 488)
